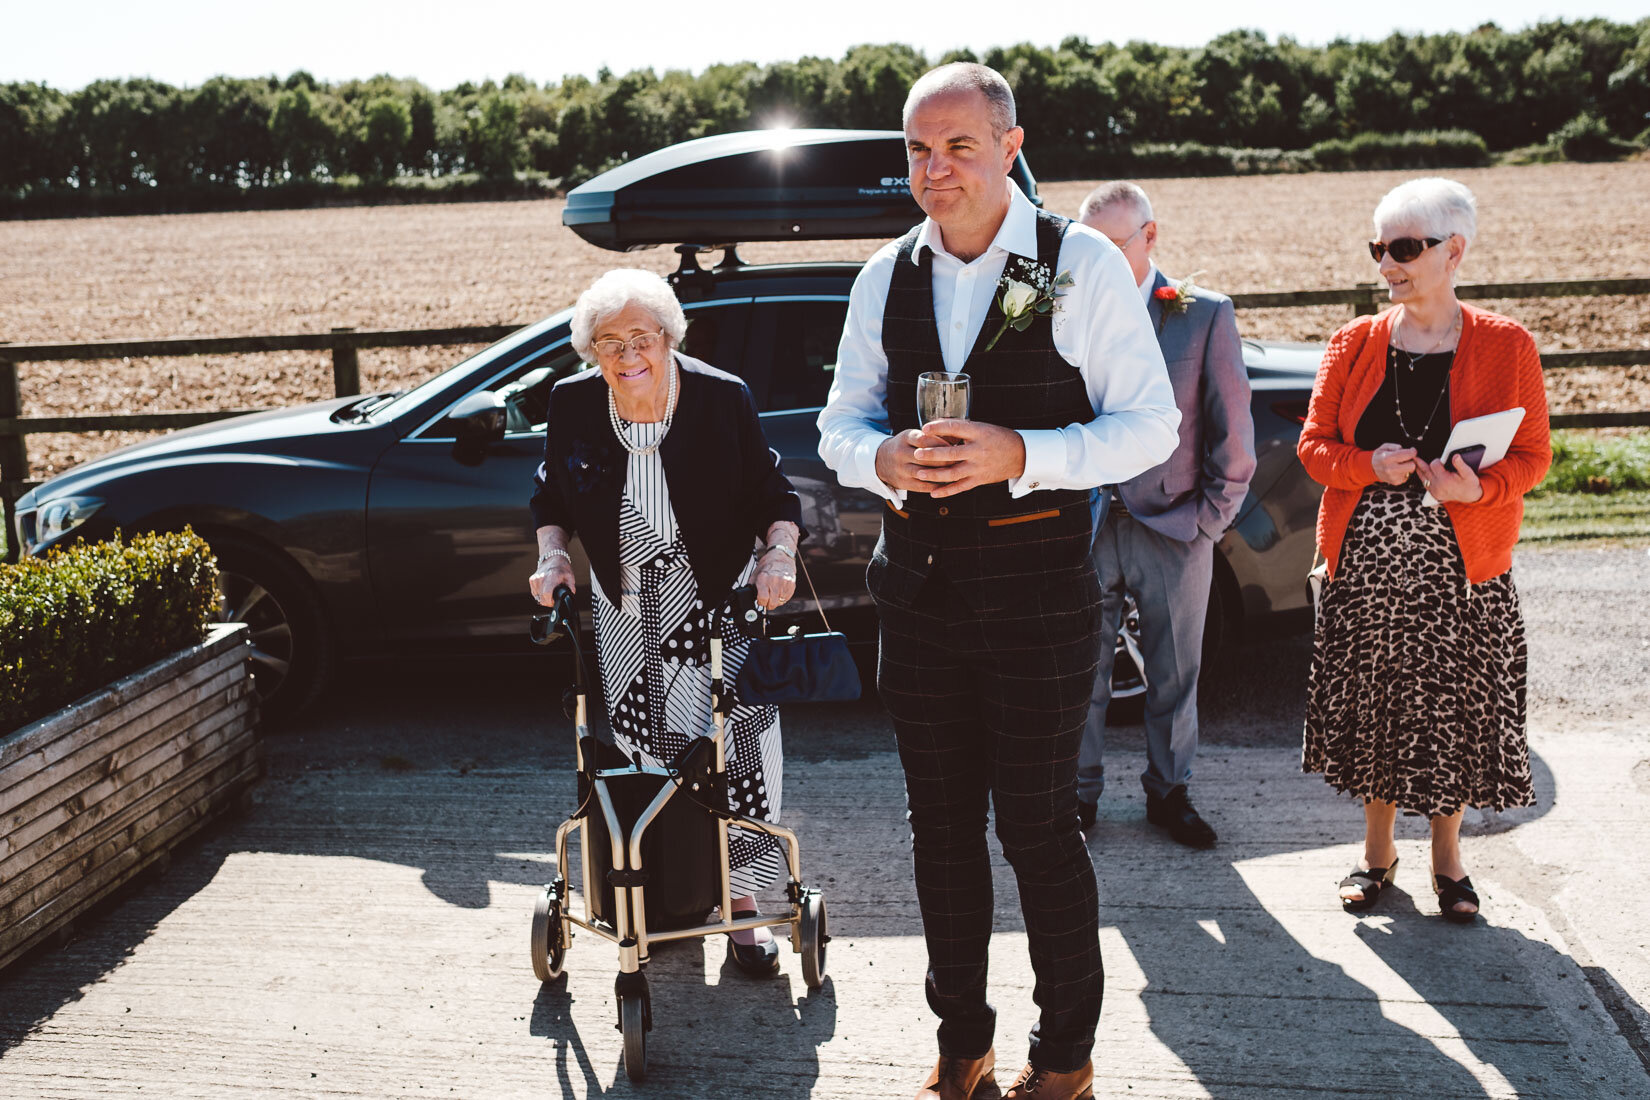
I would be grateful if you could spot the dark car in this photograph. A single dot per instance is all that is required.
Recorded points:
(398, 521)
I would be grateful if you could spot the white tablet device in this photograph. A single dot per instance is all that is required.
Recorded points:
(1494, 433)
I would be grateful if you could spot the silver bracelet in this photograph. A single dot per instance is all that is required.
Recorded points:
(555, 552)
(782, 548)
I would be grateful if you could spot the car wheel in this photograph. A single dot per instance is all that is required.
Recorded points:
(291, 647)
(1128, 672)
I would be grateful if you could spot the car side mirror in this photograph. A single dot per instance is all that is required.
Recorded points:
(478, 422)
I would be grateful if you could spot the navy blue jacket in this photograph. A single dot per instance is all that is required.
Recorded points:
(726, 486)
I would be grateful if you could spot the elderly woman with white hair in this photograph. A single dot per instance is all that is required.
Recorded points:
(658, 462)
(1416, 696)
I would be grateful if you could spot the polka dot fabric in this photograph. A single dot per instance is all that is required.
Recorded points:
(653, 643)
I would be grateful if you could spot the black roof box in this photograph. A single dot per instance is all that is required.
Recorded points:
(756, 185)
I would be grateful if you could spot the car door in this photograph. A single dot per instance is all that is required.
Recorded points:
(450, 538)
(795, 337)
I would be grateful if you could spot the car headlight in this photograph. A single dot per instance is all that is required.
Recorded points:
(56, 518)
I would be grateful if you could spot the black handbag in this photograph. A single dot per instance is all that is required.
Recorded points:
(798, 668)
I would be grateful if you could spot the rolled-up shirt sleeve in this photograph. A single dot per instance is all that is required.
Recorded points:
(854, 421)
(1104, 330)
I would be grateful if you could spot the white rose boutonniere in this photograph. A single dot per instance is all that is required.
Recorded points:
(1024, 296)
(1018, 298)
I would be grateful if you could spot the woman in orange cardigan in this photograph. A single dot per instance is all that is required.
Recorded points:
(1416, 697)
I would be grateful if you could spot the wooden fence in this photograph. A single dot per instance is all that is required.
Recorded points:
(344, 344)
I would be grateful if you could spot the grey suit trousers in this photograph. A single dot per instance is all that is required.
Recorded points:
(1169, 580)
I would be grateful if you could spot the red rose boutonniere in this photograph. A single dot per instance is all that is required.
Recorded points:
(1175, 298)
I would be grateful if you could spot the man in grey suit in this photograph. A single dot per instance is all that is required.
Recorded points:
(1158, 541)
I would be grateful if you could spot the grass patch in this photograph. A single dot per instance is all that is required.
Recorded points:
(1588, 462)
(1621, 518)
(1597, 492)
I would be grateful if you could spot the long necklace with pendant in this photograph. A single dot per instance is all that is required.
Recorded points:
(1409, 367)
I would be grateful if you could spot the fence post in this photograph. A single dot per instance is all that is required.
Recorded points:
(346, 367)
(14, 456)
(1370, 303)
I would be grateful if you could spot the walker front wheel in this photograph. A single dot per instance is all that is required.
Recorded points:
(815, 935)
(549, 949)
(633, 1023)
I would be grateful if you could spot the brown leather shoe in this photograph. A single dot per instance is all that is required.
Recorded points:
(1040, 1084)
(957, 1078)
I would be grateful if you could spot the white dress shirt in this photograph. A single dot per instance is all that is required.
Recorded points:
(1100, 326)
(1146, 283)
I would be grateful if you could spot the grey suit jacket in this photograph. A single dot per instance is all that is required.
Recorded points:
(1202, 484)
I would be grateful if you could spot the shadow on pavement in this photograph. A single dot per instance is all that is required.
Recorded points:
(781, 1026)
(355, 779)
(1208, 944)
(50, 977)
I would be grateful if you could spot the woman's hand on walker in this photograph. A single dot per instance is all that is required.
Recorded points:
(549, 577)
(1393, 464)
(1457, 481)
(775, 579)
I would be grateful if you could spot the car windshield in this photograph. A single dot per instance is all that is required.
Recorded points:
(416, 396)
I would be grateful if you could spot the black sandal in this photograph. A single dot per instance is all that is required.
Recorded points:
(1370, 882)
(1451, 891)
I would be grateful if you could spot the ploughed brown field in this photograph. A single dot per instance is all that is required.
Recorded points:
(496, 263)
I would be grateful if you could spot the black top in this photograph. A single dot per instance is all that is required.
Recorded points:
(726, 486)
(1421, 392)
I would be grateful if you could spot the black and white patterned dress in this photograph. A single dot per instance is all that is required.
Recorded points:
(653, 644)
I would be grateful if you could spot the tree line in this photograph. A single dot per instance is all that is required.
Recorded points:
(1085, 106)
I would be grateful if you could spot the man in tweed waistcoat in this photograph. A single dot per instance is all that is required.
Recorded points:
(988, 599)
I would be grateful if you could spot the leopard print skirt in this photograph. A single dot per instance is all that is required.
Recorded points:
(1417, 688)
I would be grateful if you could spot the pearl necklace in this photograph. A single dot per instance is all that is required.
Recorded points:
(614, 419)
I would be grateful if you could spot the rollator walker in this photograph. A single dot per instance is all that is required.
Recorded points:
(648, 838)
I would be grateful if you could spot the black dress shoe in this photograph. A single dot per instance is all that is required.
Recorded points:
(1174, 812)
(1085, 814)
(759, 960)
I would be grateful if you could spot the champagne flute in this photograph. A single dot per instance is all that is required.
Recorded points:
(942, 395)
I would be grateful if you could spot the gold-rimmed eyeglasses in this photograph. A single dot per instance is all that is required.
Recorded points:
(1126, 241)
(641, 345)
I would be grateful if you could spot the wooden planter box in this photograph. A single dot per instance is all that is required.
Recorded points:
(92, 795)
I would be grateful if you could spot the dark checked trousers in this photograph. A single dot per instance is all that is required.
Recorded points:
(989, 711)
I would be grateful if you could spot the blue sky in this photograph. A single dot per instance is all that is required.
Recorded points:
(442, 44)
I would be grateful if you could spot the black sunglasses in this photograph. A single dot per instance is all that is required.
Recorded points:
(1404, 249)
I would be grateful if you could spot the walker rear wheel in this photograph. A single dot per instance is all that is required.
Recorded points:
(633, 1023)
(549, 950)
(815, 935)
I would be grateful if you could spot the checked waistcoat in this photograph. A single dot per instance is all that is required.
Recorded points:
(994, 550)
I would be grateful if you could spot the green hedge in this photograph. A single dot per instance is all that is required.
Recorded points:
(1414, 149)
(1587, 138)
(82, 617)
(345, 191)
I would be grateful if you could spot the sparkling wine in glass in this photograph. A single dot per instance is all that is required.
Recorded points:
(942, 395)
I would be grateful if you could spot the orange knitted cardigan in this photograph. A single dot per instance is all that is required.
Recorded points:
(1496, 367)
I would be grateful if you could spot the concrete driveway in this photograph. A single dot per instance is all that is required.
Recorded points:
(363, 931)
